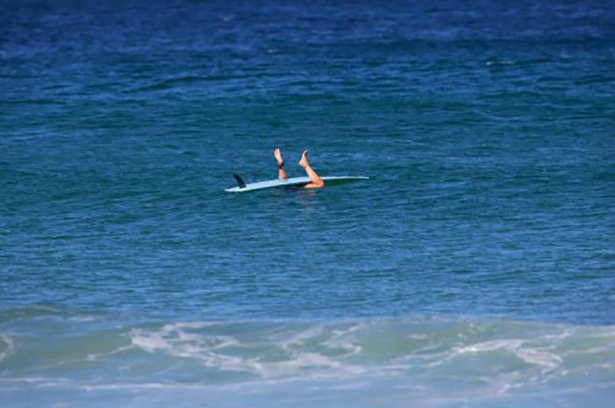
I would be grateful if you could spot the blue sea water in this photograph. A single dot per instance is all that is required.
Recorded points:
(474, 268)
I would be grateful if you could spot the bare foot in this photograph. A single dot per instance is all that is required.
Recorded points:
(278, 156)
(304, 159)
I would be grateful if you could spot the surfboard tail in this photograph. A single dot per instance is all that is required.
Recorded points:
(239, 180)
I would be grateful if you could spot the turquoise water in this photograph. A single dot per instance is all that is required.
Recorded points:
(474, 268)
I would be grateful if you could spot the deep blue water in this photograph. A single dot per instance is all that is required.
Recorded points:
(474, 268)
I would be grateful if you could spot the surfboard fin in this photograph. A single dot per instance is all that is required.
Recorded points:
(239, 180)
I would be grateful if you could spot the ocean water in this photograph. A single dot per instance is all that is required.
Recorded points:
(476, 267)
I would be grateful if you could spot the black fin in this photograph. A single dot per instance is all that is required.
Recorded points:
(239, 180)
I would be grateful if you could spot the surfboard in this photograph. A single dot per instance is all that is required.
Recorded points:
(295, 181)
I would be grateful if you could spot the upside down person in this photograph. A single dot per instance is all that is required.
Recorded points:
(315, 180)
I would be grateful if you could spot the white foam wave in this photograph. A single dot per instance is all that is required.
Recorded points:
(539, 357)
(174, 341)
(490, 346)
(283, 353)
(299, 339)
(303, 364)
(517, 347)
(8, 347)
(607, 331)
(473, 358)
(99, 356)
(594, 350)
(344, 341)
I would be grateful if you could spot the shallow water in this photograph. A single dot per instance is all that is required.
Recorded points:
(475, 267)
(69, 358)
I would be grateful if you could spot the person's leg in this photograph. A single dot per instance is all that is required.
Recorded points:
(316, 181)
(281, 172)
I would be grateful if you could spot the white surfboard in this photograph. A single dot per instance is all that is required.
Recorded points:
(295, 181)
